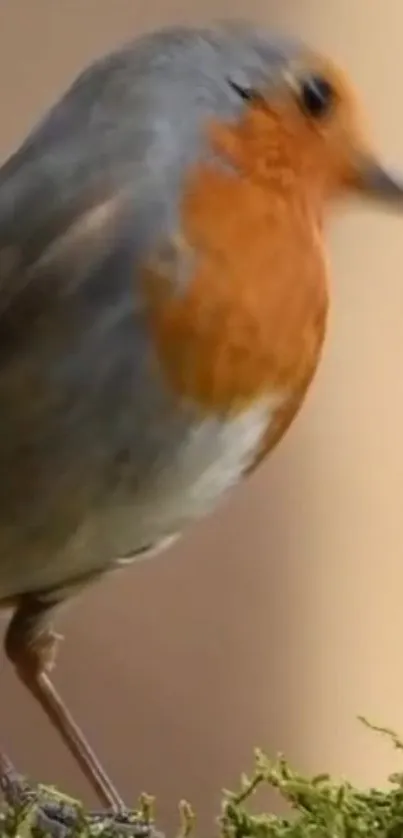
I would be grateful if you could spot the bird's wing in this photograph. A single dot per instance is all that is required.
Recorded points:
(81, 206)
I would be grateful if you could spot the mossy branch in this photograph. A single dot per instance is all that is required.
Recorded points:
(321, 808)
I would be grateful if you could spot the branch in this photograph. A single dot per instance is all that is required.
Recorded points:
(322, 808)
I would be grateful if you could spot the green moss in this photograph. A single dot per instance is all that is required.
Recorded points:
(321, 808)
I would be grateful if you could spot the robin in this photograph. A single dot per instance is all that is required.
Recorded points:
(163, 304)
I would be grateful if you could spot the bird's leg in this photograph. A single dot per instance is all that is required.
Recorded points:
(30, 644)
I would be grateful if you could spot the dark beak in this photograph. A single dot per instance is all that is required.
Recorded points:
(375, 182)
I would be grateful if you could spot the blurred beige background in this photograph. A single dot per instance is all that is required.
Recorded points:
(179, 667)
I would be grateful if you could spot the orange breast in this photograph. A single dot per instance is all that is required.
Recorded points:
(251, 320)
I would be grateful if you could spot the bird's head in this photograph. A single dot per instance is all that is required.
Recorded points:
(273, 106)
(301, 126)
(280, 110)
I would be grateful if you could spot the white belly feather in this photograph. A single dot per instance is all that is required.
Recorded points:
(208, 464)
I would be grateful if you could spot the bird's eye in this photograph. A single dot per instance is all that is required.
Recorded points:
(317, 96)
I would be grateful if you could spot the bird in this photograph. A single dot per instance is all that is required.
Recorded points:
(164, 299)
